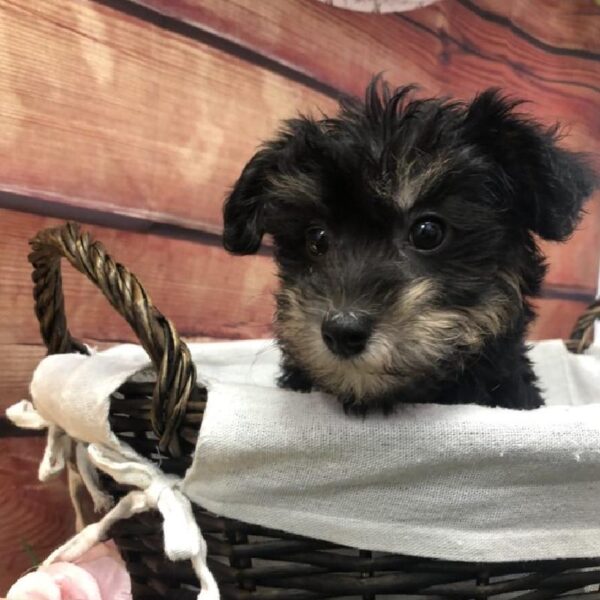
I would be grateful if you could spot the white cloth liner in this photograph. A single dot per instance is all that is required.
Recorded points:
(453, 482)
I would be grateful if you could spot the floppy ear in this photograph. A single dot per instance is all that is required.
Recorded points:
(243, 212)
(549, 184)
(297, 149)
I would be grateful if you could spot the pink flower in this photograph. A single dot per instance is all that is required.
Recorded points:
(99, 574)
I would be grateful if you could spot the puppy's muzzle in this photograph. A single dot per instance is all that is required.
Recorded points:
(345, 333)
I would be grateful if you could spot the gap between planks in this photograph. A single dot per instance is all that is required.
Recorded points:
(136, 221)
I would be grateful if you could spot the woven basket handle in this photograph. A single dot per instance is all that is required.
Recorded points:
(176, 374)
(583, 332)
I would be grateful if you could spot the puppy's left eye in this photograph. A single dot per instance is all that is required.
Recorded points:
(427, 233)
(317, 241)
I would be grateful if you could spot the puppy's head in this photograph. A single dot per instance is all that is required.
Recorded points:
(404, 234)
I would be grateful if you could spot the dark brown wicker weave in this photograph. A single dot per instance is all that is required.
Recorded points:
(161, 422)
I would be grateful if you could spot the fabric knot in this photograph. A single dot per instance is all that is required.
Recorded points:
(161, 492)
(158, 485)
(154, 490)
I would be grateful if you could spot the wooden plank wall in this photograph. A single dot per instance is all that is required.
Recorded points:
(134, 118)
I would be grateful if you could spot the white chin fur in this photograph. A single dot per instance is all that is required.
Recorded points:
(362, 376)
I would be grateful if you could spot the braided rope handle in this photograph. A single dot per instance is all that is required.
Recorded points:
(176, 374)
(583, 332)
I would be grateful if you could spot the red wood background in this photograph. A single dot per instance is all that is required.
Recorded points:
(135, 117)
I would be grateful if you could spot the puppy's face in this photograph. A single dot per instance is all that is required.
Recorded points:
(403, 235)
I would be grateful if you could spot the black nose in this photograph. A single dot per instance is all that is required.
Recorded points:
(346, 334)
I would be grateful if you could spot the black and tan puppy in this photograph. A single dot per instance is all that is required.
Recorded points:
(404, 233)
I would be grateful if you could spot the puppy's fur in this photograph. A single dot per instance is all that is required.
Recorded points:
(447, 325)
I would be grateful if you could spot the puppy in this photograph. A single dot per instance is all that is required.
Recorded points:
(405, 233)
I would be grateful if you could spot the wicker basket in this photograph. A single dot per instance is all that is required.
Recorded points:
(161, 421)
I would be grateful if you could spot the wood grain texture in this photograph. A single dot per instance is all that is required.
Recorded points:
(568, 28)
(99, 109)
(17, 364)
(448, 47)
(201, 288)
(576, 262)
(35, 517)
(556, 318)
(455, 47)
(474, 53)
(113, 132)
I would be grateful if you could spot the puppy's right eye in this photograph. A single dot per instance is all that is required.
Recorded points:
(317, 241)
(427, 234)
